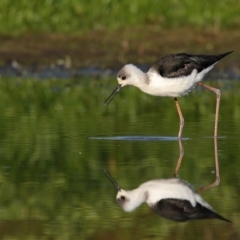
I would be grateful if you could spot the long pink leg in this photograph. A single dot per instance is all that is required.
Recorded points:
(218, 93)
(180, 117)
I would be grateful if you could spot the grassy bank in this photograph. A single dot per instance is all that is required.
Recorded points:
(76, 16)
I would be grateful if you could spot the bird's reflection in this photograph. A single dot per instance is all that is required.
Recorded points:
(171, 198)
(180, 158)
(217, 173)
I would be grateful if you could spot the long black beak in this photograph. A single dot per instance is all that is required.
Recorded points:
(115, 91)
(112, 180)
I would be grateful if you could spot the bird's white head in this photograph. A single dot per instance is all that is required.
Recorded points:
(128, 75)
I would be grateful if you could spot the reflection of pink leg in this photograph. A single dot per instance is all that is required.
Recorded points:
(217, 180)
(181, 153)
(218, 93)
(180, 117)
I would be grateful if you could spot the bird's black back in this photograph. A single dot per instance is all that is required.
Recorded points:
(182, 64)
(182, 210)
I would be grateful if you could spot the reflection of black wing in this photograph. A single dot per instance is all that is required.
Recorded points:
(182, 64)
(182, 210)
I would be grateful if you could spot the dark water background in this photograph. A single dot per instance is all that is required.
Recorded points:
(57, 137)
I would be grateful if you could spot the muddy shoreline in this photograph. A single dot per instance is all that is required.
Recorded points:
(101, 53)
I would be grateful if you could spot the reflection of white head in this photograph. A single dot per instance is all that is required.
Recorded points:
(130, 200)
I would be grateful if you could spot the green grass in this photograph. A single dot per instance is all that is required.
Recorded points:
(77, 16)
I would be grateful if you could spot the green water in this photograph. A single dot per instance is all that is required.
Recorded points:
(54, 147)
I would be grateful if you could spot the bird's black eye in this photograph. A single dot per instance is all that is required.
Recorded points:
(123, 77)
(122, 198)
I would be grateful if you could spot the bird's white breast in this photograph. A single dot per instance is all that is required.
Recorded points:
(171, 87)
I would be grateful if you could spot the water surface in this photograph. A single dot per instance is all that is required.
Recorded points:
(57, 138)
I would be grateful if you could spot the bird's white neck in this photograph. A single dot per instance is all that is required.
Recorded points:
(138, 77)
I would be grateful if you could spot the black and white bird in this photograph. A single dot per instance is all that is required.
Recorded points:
(171, 76)
(171, 198)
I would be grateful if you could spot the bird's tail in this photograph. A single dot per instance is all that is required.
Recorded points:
(220, 56)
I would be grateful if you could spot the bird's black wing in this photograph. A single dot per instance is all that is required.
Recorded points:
(182, 64)
(176, 65)
(182, 210)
